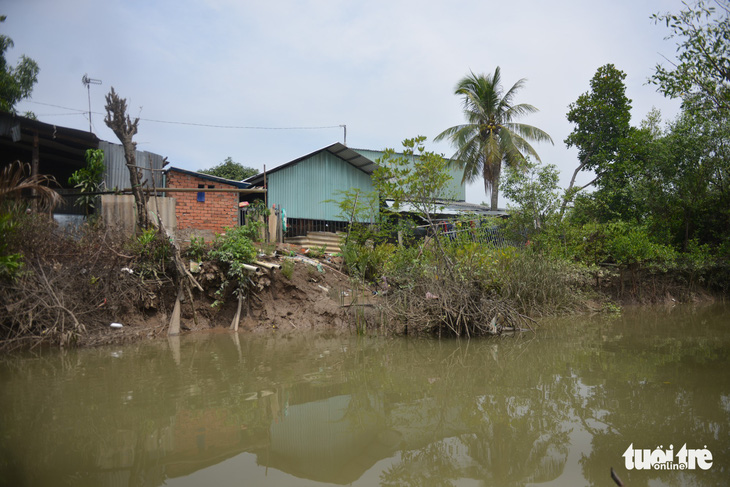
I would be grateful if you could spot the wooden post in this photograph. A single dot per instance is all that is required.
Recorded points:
(272, 224)
(174, 342)
(35, 157)
(174, 328)
(237, 316)
(34, 162)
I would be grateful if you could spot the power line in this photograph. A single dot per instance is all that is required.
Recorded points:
(195, 124)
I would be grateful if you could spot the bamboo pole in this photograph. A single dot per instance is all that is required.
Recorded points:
(174, 327)
(174, 190)
(237, 317)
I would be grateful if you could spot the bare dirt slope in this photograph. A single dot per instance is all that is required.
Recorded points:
(315, 296)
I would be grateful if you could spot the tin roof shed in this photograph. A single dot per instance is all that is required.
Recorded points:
(305, 186)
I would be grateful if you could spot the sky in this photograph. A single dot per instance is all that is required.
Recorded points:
(267, 82)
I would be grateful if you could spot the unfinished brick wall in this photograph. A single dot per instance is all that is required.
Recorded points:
(219, 210)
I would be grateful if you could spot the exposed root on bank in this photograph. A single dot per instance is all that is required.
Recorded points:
(71, 286)
(461, 309)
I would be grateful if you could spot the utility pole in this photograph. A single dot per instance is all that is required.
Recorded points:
(88, 82)
(345, 135)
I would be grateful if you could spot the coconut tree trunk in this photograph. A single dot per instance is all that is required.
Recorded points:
(493, 186)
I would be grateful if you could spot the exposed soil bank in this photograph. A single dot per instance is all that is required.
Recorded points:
(71, 291)
(317, 296)
(643, 287)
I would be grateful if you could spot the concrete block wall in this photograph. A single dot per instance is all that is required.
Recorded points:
(219, 210)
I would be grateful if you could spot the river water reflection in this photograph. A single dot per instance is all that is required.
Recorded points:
(556, 408)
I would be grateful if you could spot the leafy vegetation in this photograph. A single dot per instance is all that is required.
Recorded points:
(653, 222)
(234, 249)
(229, 169)
(16, 83)
(152, 252)
(458, 284)
(10, 262)
(88, 179)
(197, 249)
(287, 269)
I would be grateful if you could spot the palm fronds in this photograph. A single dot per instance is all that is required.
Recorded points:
(17, 183)
(491, 135)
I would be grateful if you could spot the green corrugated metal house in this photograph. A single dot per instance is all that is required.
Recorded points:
(303, 186)
(454, 191)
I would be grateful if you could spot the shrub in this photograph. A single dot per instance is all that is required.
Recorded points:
(251, 230)
(287, 269)
(539, 284)
(367, 262)
(152, 251)
(234, 248)
(197, 248)
(10, 262)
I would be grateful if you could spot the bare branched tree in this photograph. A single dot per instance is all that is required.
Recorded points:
(125, 128)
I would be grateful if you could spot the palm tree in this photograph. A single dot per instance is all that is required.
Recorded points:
(491, 136)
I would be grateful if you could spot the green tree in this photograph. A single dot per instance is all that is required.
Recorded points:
(491, 134)
(229, 169)
(88, 179)
(535, 191)
(416, 177)
(16, 83)
(690, 197)
(601, 117)
(701, 74)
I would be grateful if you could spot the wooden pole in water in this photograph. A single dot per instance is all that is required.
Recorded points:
(237, 316)
(174, 328)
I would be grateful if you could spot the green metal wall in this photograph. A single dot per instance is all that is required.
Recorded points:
(302, 188)
(455, 189)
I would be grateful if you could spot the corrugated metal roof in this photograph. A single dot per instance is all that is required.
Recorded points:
(61, 150)
(337, 149)
(210, 177)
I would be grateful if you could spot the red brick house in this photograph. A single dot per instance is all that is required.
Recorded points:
(204, 213)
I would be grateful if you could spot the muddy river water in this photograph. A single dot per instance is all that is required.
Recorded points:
(560, 407)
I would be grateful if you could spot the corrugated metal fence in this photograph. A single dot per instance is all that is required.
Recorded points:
(117, 174)
(119, 211)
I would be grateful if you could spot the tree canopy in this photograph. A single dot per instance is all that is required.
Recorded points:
(16, 83)
(602, 118)
(491, 134)
(230, 169)
(701, 74)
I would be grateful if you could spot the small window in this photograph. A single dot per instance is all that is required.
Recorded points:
(201, 194)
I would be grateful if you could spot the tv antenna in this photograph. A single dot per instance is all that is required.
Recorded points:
(88, 82)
